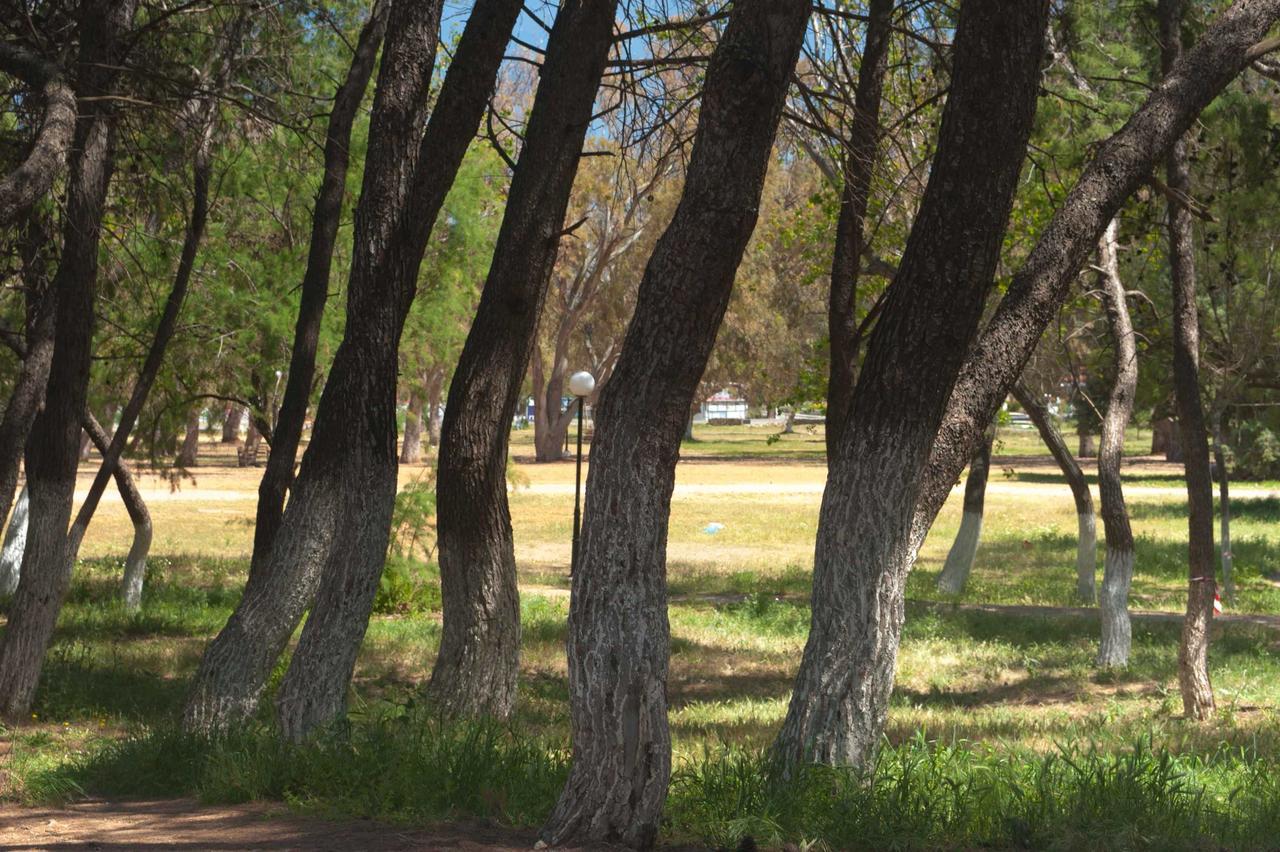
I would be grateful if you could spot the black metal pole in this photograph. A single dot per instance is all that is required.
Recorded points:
(577, 495)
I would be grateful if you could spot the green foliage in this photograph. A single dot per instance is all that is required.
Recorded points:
(1255, 451)
(409, 582)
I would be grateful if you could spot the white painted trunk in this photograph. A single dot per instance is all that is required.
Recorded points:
(135, 566)
(1087, 557)
(15, 542)
(955, 573)
(1113, 602)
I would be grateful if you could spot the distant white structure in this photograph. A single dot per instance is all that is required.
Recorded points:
(725, 408)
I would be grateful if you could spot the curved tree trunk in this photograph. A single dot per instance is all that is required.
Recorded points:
(34, 177)
(478, 662)
(135, 563)
(618, 631)
(861, 153)
(1113, 602)
(325, 219)
(1193, 649)
(15, 543)
(1086, 543)
(959, 564)
(411, 444)
(54, 447)
(931, 314)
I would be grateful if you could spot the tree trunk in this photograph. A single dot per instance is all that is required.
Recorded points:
(335, 527)
(1193, 650)
(548, 441)
(959, 564)
(231, 425)
(1120, 164)
(15, 543)
(411, 446)
(915, 352)
(190, 450)
(1087, 449)
(435, 413)
(1117, 575)
(478, 662)
(135, 563)
(326, 217)
(618, 631)
(1086, 543)
(53, 449)
(1224, 511)
(33, 178)
(861, 152)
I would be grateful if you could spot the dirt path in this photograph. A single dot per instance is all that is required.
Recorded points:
(182, 824)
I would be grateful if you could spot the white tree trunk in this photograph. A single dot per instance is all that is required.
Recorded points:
(1086, 556)
(955, 573)
(15, 542)
(1113, 603)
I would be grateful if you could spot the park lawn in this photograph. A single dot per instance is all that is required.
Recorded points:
(998, 687)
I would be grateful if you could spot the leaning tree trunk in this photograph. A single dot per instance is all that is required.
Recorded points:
(478, 662)
(189, 452)
(231, 423)
(1193, 649)
(959, 564)
(1086, 540)
(325, 219)
(135, 563)
(861, 152)
(1039, 287)
(15, 543)
(618, 632)
(35, 175)
(411, 445)
(1113, 602)
(1224, 511)
(54, 446)
(931, 314)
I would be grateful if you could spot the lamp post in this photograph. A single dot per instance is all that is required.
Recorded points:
(581, 384)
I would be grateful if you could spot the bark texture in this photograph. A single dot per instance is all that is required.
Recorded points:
(54, 446)
(1193, 649)
(15, 543)
(231, 425)
(930, 317)
(959, 564)
(1118, 571)
(135, 562)
(478, 662)
(618, 631)
(325, 219)
(1086, 545)
(1120, 164)
(34, 176)
(861, 152)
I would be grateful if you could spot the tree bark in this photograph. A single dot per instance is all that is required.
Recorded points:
(34, 177)
(915, 352)
(411, 446)
(54, 445)
(478, 662)
(618, 633)
(15, 543)
(1193, 650)
(1117, 575)
(959, 564)
(325, 219)
(189, 452)
(1120, 164)
(435, 415)
(1086, 543)
(231, 425)
(247, 453)
(135, 563)
(861, 152)
(1087, 449)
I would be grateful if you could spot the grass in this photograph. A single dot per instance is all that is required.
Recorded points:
(1000, 731)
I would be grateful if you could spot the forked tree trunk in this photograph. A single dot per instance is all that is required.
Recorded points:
(189, 452)
(1086, 541)
(618, 631)
(931, 314)
(54, 446)
(325, 219)
(1120, 164)
(411, 445)
(478, 662)
(231, 424)
(1224, 511)
(861, 153)
(15, 543)
(1193, 649)
(1113, 602)
(135, 563)
(959, 564)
